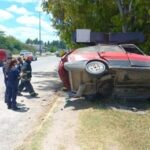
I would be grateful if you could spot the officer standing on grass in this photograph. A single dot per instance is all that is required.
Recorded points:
(26, 75)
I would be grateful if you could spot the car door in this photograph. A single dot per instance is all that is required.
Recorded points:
(136, 57)
(138, 60)
(140, 64)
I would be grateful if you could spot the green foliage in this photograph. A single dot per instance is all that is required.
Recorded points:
(55, 46)
(35, 41)
(68, 15)
(99, 15)
(12, 44)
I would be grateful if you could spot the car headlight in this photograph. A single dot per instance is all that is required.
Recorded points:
(95, 67)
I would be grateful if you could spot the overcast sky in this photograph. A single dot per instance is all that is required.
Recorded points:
(20, 18)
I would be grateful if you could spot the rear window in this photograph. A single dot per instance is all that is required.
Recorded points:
(132, 49)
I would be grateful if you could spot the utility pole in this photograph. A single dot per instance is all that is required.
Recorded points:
(40, 42)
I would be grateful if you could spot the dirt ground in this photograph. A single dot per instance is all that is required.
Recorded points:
(17, 125)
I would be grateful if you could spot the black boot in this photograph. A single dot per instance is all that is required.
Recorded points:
(34, 94)
(19, 94)
(15, 108)
(9, 106)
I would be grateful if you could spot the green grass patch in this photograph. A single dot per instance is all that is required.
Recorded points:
(34, 142)
(104, 128)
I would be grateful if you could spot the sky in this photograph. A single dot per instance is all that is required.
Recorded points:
(20, 18)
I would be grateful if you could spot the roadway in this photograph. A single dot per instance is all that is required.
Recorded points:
(16, 125)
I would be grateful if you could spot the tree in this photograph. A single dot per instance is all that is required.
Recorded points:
(55, 45)
(12, 44)
(2, 33)
(29, 41)
(99, 16)
(68, 15)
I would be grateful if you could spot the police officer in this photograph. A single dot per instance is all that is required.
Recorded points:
(12, 85)
(19, 64)
(5, 68)
(26, 75)
(5, 72)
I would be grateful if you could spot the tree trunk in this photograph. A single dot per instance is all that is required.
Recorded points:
(123, 11)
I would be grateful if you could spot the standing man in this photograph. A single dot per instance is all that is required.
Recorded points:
(26, 75)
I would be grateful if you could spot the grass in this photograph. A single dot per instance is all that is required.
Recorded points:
(37, 139)
(104, 128)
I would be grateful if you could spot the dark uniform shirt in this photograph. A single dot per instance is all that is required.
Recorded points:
(5, 71)
(19, 66)
(13, 77)
(26, 70)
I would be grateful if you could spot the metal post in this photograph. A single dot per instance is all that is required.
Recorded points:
(40, 42)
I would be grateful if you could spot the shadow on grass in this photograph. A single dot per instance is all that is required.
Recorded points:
(101, 103)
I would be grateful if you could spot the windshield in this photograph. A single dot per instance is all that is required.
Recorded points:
(28, 53)
(132, 49)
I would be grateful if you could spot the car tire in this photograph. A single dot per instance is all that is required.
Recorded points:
(104, 70)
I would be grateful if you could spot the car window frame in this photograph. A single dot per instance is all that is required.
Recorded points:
(141, 52)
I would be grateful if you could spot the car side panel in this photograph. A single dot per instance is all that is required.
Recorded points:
(139, 60)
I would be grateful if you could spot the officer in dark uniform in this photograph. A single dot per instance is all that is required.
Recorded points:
(19, 64)
(5, 68)
(12, 85)
(19, 67)
(26, 75)
(5, 72)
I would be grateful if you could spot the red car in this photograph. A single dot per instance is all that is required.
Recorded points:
(4, 54)
(107, 69)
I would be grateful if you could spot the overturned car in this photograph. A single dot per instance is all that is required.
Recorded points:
(118, 69)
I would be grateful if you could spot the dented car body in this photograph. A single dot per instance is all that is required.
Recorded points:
(106, 69)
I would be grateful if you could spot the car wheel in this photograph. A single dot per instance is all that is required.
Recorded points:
(96, 68)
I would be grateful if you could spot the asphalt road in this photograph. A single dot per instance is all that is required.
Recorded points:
(37, 66)
(15, 126)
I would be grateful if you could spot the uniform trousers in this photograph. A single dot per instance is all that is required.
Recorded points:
(27, 84)
(12, 91)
